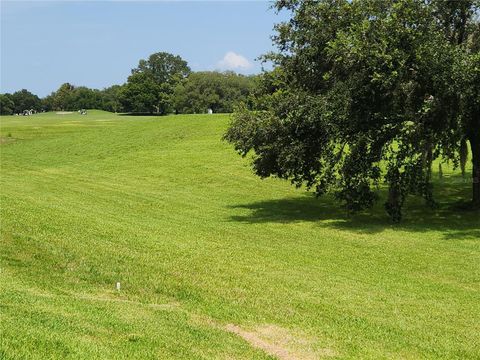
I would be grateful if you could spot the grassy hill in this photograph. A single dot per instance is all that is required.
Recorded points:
(212, 261)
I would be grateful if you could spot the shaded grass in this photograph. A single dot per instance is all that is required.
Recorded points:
(452, 218)
(163, 206)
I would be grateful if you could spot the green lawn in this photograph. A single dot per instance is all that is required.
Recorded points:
(213, 262)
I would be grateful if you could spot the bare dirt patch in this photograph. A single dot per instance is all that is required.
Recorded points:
(6, 140)
(281, 343)
(274, 340)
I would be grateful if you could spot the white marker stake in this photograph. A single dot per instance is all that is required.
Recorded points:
(118, 286)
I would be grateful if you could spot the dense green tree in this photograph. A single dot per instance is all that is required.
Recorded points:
(25, 100)
(47, 102)
(151, 86)
(364, 93)
(163, 68)
(72, 98)
(220, 92)
(142, 94)
(62, 99)
(85, 98)
(468, 87)
(459, 22)
(7, 106)
(111, 99)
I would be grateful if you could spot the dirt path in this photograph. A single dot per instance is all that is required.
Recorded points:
(280, 343)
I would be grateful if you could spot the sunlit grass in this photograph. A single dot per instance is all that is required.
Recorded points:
(163, 206)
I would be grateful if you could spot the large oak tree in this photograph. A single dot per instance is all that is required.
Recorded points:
(151, 86)
(366, 92)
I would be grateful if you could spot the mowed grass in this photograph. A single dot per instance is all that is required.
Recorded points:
(213, 262)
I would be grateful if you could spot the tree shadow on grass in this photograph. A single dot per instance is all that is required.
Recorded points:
(449, 217)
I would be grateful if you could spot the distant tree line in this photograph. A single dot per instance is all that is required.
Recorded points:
(161, 84)
(18, 102)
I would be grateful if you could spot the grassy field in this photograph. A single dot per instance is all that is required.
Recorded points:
(213, 262)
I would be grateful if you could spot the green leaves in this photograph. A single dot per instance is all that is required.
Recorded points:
(151, 86)
(378, 79)
(220, 92)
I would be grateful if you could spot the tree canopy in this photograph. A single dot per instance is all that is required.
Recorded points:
(218, 91)
(151, 86)
(365, 93)
(7, 106)
(21, 100)
(70, 97)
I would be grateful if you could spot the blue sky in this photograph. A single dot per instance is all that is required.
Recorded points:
(97, 43)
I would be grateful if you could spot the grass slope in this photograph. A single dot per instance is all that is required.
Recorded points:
(214, 262)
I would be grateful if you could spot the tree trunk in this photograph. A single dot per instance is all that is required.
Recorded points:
(393, 205)
(463, 155)
(475, 146)
(427, 161)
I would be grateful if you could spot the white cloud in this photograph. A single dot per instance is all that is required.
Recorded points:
(233, 61)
